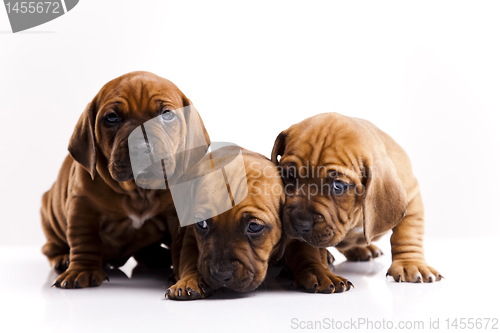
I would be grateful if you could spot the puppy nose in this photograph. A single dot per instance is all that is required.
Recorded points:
(303, 226)
(222, 274)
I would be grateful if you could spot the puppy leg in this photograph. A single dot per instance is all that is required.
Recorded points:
(362, 253)
(408, 263)
(59, 263)
(85, 257)
(175, 238)
(310, 269)
(56, 250)
(190, 285)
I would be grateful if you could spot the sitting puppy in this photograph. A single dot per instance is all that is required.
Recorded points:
(346, 184)
(95, 214)
(230, 249)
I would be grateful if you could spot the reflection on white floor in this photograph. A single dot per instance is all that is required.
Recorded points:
(137, 304)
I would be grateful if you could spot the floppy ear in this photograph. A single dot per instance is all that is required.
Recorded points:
(197, 138)
(282, 246)
(385, 203)
(187, 103)
(279, 147)
(284, 239)
(82, 145)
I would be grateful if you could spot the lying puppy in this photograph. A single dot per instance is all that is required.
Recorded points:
(346, 184)
(232, 249)
(95, 213)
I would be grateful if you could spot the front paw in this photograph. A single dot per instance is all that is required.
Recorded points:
(80, 278)
(321, 280)
(60, 263)
(190, 287)
(413, 271)
(363, 253)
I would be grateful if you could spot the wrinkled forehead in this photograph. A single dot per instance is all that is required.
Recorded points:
(261, 174)
(327, 141)
(260, 184)
(265, 186)
(140, 91)
(248, 209)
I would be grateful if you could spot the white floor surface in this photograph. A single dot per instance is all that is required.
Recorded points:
(137, 304)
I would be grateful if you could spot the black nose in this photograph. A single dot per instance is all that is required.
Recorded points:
(303, 226)
(222, 274)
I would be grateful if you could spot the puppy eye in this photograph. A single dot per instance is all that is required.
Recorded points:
(202, 225)
(167, 115)
(255, 228)
(112, 118)
(339, 187)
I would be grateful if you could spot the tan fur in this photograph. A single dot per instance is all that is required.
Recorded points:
(95, 214)
(383, 193)
(226, 244)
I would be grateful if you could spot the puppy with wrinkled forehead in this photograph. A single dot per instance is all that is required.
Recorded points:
(95, 213)
(346, 184)
(231, 249)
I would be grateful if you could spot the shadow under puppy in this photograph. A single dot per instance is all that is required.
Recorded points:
(95, 214)
(346, 184)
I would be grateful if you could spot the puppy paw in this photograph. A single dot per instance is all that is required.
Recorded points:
(72, 278)
(321, 280)
(413, 271)
(364, 253)
(60, 263)
(190, 287)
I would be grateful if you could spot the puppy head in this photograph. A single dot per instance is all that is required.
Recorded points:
(100, 139)
(336, 173)
(236, 246)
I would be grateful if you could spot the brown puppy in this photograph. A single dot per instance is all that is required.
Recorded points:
(346, 184)
(232, 249)
(95, 214)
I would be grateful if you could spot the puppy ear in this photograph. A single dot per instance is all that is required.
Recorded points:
(197, 138)
(385, 203)
(279, 147)
(282, 247)
(284, 239)
(82, 145)
(187, 103)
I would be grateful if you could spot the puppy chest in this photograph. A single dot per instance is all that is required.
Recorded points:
(138, 220)
(132, 227)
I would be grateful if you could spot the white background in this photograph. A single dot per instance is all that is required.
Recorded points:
(425, 72)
